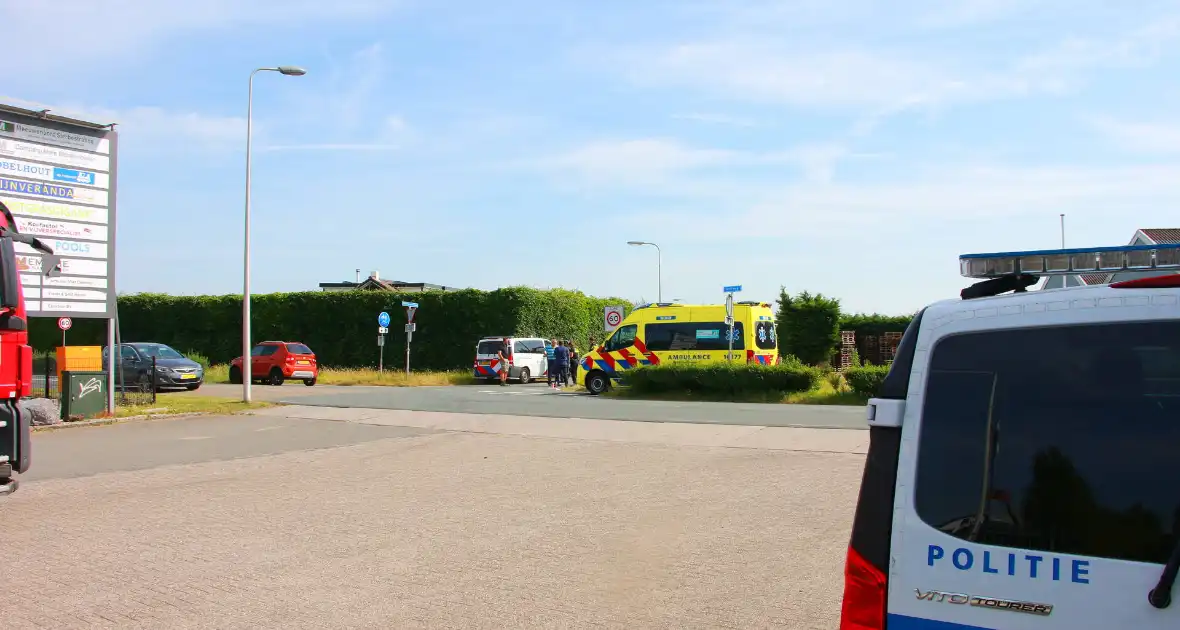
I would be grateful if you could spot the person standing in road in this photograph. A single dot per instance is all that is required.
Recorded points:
(573, 363)
(549, 356)
(504, 354)
(561, 358)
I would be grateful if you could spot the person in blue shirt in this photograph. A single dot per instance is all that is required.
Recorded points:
(550, 355)
(561, 358)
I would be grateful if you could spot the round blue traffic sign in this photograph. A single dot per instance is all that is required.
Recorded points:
(383, 319)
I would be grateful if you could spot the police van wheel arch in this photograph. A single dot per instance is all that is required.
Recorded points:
(597, 382)
(525, 376)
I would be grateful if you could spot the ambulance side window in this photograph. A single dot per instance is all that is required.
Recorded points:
(1061, 434)
(624, 337)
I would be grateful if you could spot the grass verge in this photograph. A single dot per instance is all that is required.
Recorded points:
(823, 394)
(188, 403)
(366, 376)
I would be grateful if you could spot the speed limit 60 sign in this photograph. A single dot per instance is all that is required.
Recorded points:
(612, 317)
(65, 323)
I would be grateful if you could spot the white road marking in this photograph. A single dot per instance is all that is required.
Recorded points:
(269, 428)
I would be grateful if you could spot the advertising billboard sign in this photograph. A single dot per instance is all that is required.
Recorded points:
(57, 176)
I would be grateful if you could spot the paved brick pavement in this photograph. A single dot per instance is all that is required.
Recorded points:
(446, 530)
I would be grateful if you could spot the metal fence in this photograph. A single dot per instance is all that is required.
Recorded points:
(137, 389)
(45, 377)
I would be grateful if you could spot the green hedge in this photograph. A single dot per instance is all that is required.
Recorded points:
(341, 327)
(874, 324)
(721, 378)
(866, 380)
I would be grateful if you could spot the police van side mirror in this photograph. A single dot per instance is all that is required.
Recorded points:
(9, 275)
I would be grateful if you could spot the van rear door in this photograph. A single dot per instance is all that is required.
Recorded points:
(487, 357)
(1040, 487)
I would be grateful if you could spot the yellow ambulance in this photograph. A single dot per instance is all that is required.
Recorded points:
(656, 334)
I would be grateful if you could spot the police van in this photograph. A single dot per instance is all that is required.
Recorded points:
(1024, 461)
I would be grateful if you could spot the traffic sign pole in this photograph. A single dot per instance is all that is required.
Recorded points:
(382, 322)
(64, 323)
(730, 290)
(411, 308)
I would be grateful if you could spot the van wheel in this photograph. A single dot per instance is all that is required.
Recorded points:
(525, 377)
(235, 375)
(597, 382)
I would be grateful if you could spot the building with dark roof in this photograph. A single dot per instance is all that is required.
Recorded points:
(1145, 236)
(375, 283)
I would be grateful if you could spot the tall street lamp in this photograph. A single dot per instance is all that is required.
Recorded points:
(659, 267)
(291, 71)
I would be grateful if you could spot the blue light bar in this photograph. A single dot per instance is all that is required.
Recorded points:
(1059, 262)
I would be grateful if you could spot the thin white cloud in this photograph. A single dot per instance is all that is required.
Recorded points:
(633, 160)
(93, 30)
(329, 147)
(949, 194)
(848, 70)
(717, 119)
(155, 128)
(651, 162)
(1140, 46)
(1142, 137)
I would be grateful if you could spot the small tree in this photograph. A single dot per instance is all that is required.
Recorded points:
(808, 326)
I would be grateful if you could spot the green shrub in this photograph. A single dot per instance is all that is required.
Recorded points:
(808, 326)
(341, 327)
(866, 380)
(721, 379)
(198, 357)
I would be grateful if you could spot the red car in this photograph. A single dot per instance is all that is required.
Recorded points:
(273, 362)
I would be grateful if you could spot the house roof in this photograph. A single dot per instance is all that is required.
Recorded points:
(1162, 236)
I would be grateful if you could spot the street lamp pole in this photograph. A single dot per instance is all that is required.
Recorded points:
(293, 71)
(659, 268)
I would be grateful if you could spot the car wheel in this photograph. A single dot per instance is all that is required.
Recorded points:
(192, 388)
(597, 382)
(309, 381)
(275, 377)
(235, 375)
(525, 377)
(144, 383)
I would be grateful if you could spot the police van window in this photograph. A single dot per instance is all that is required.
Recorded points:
(764, 336)
(1055, 439)
(624, 337)
(490, 346)
(520, 346)
(692, 336)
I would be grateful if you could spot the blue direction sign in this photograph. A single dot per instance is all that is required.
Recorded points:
(410, 304)
(383, 319)
(737, 288)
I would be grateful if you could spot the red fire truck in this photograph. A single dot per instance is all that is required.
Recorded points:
(16, 356)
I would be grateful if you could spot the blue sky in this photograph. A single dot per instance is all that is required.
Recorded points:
(853, 148)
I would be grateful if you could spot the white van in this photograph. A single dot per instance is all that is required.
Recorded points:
(526, 358)
(1024, 462)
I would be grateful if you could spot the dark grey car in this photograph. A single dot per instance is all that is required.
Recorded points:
(172, 368)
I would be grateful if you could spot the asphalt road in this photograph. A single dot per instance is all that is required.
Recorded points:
(265, 521)
(86, 451)
(538, 400)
